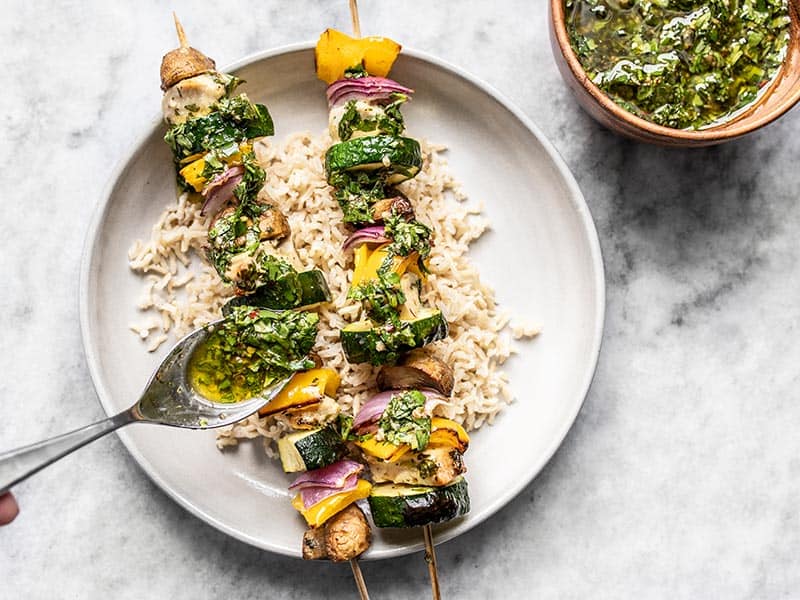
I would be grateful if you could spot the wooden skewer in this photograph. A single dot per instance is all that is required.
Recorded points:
(181, 32)
(354, 17)
(359, 577)
(357, 574)
(430, 558)
(430, 553)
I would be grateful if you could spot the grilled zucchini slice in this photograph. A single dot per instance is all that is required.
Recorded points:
(309, 450)
(399, 157)
(394, 505)
(366, 341)
(282, 294)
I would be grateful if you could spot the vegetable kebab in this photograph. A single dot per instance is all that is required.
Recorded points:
(211, 133)
(415, 459)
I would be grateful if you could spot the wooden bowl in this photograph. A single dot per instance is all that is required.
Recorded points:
(783, 94)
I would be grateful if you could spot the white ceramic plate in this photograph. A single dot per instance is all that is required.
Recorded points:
(542, 256)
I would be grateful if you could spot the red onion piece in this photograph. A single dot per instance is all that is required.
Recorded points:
(373, 408)
(374, 234)
(310, 496)
(332, 476)
(220, 190)
(364, 88)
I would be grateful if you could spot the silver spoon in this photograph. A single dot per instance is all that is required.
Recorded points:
(168, 399)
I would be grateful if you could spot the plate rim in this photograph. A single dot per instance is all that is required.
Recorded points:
(576, 199)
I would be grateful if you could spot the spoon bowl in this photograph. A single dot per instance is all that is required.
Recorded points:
(168, 399)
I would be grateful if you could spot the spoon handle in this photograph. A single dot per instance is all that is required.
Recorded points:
(17, 465)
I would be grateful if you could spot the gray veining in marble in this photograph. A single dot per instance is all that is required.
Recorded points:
(681, 476)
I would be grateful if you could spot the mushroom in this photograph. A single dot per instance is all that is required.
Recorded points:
(398, 205)
(417, 370)
(273, 224)
(344, 537)
(184, 62)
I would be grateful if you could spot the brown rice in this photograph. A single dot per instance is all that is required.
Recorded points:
(182, 291)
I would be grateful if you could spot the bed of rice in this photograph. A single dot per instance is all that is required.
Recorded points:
(182, 291)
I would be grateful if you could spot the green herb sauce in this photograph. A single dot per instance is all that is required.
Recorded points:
(249, 351)
(405, 422)
(685, 64)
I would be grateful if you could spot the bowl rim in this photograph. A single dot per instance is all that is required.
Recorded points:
(723, 132)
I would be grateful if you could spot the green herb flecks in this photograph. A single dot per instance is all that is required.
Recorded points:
(382, 297)
(355, 72)
(251, 350)
(238, 255)
(404, 421)
(680, 63)
(427, 467)
(387, 119)
(356, 193)
(252, 182)
(408, 236)
(230, 121)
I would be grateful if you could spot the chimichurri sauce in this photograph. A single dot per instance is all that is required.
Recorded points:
(684, 64)
(250, 350)
(223, 373)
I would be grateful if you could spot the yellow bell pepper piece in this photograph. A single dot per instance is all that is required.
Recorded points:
(192, 158)
(361, 258)
(316, 514)
(438, 423)
(379, 55)
(304, 389)
(367, 263)
(337, 51)
(444, 432)
(193, 172)
(383, 450)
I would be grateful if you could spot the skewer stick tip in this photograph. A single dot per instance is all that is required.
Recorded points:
(430, 558)
(354, 17)
(181, 32)
(359, 577)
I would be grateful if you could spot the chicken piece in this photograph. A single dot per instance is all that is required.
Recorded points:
(432, 466)
(367, 111)
(192, 97)
(417, 370)
(316, 415)
(343, 537)
(273, 224)
(398, 205)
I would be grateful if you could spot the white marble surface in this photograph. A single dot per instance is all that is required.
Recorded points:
(681, 477)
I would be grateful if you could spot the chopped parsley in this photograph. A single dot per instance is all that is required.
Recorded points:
(252, 182)
(230, 121)
(388, 119)
(427, 467)
(355, 72)
(236, 239)
(407, 236)
(404, 421)
(250, 350)
(356, 192)
(684, 64)
(382, 297)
